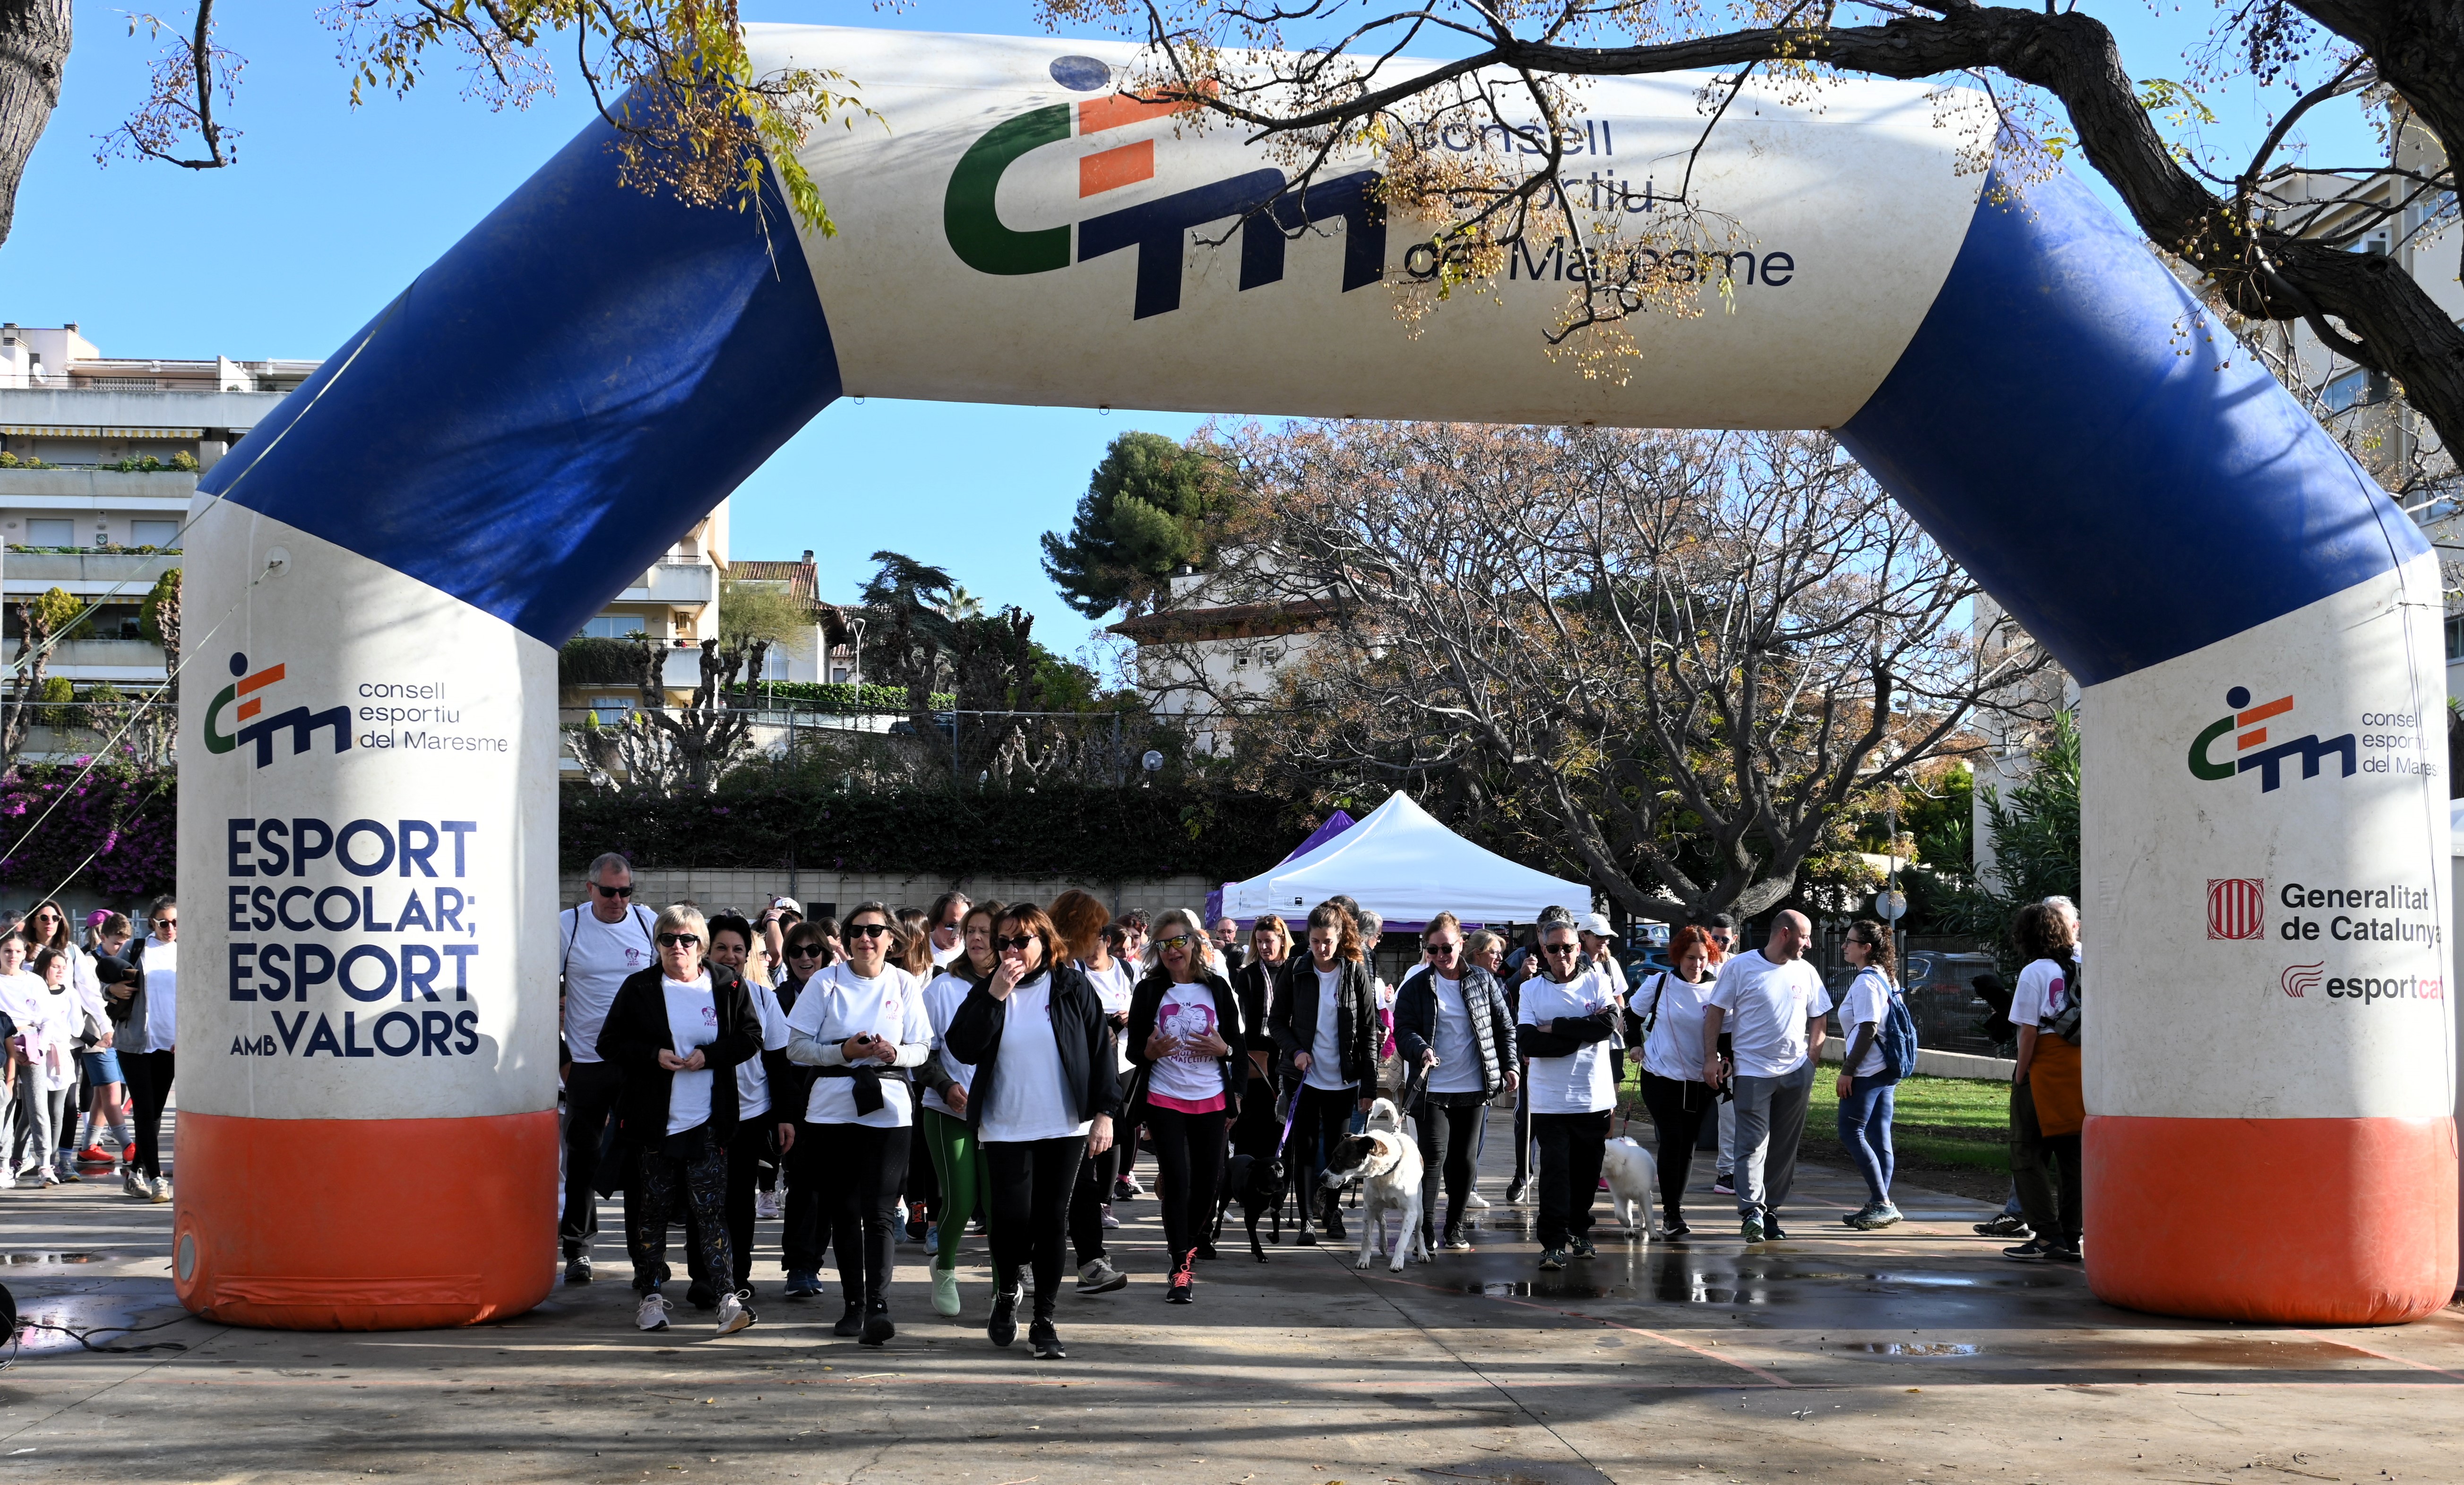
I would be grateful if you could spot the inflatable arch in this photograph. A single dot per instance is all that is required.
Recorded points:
(368, 1036)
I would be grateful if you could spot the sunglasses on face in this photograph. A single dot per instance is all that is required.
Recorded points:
(1019, 942)
(1557, 948)
(804, 951)
(1178, 941)
(47, 916)
(1443, 950)
(867, 930)
(669, 941)
(611, 892)
(166, 922)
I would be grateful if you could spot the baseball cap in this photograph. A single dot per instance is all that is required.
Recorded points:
(789, 905)
(1598, 923)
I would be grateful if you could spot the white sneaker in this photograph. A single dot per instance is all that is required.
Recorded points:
(765, 1205)
(162, 1189)
(133, 1183)
(652, 1312)
(49, 1177)
(945, 1290)
(1474, 1199)
(733, 1314)
(1108, 1219)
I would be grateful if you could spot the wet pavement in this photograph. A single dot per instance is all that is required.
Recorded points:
(1917, 1353)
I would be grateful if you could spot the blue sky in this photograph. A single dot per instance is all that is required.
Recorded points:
(331, 209)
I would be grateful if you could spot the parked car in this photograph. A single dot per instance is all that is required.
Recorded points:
(1941, 997)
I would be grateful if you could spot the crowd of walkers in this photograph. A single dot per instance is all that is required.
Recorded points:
(990, 1069)
(90, 1018)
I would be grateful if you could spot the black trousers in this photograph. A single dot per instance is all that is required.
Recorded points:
(1089, 1190)
(1571, 1145)
(149, 1091)
(590, 1093)
(860, 1169)
(1449, 1135)
(804, 1235)
(2036, 1159)
(1677, 1110)
(1189, 1170)
(660, 1187)
(1032, 1184)
(1523, 1125)
(923, 1190)
(1324, 1118)
(747, 1149)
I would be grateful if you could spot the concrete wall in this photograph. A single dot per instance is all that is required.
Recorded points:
(751, 890)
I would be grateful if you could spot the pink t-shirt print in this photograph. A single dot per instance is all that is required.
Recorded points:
(1189, 1080)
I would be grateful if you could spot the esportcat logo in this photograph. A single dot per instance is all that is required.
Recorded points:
(260, 730)
(2269, 763)
(1158, 229)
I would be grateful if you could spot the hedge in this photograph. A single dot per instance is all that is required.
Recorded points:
(1097, 834)
(841, 697)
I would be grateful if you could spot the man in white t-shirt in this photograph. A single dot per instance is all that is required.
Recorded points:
(949, 911)
(598, 945)
(1763, 1028)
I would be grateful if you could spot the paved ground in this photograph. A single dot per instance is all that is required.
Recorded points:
(1916, 1354)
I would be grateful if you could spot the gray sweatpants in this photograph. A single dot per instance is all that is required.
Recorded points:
(1770, 1121)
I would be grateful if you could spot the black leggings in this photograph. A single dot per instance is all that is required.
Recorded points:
(150, 1089)
(858, 1169)
(1571, 1148)
(1449, 1134)
(1189, 1170)
(1324, 1118)
(1027, 1217)
(1677, 1110)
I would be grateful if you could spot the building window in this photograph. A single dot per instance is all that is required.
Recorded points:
(609, 710)
(153, 533)
(612, 626)
(2346, 392)
(2454, 637)
(51, 533)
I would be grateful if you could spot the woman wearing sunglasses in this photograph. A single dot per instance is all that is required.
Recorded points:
(1452, 1025)
(1186, 1032)
(1042, 1101)
(48, 926)
(861, 1023)
(1563, 1026)
(675, 1033)
(957, 1164)
(1670, 1009)
(804, 952)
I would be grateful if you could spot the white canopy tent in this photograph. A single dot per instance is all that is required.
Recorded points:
(1407, 868)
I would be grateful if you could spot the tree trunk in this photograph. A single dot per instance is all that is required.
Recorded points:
(34, 48)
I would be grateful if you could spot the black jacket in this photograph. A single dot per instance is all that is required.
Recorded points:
(1293, 1020)
(1492, 1023)
(1079, 1027)
(635, 1033)
(1251, 984)
(1147, 1000)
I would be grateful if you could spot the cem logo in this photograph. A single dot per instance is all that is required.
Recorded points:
(2300, 979)
(1157, 229)
(243, 695)
(2268, 762)
(2236, 907)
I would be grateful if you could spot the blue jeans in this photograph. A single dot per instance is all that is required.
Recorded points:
(1865, 1129)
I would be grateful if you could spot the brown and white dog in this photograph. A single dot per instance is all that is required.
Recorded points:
(1386, 1163)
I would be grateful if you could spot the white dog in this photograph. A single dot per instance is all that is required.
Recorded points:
(1387, 1165)
(1632, 1176)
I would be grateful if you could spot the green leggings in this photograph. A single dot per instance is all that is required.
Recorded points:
(958, 1161)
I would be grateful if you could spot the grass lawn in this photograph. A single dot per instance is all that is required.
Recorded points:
(1952, 1134)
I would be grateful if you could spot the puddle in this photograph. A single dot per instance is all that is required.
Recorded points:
(1913, 1348)
(1528, 1289)
(55, 1258)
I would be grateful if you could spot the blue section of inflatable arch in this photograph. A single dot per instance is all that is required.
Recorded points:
(548, 407)
(2126, 501)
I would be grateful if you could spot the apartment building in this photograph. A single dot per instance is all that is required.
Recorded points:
(98, 457)
(824, 652)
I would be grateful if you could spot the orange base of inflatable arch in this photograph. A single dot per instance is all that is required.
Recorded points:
(2311, 1221)
(349, 1224)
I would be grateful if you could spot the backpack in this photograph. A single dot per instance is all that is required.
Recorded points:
(2065, 1023)
(1897, 1038)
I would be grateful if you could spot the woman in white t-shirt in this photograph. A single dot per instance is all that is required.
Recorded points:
(1042, 1101)
(1186, 1031)
(1669, 1007)
(1102, 950)
(1865, 1095)
(862, 1023)
(766, 1130)
(679, 1033)
(1563, 1024)
(45, 1010)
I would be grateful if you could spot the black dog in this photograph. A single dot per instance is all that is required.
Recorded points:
(1257, 1182)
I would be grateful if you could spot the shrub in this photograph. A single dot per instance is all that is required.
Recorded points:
(842, 698)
